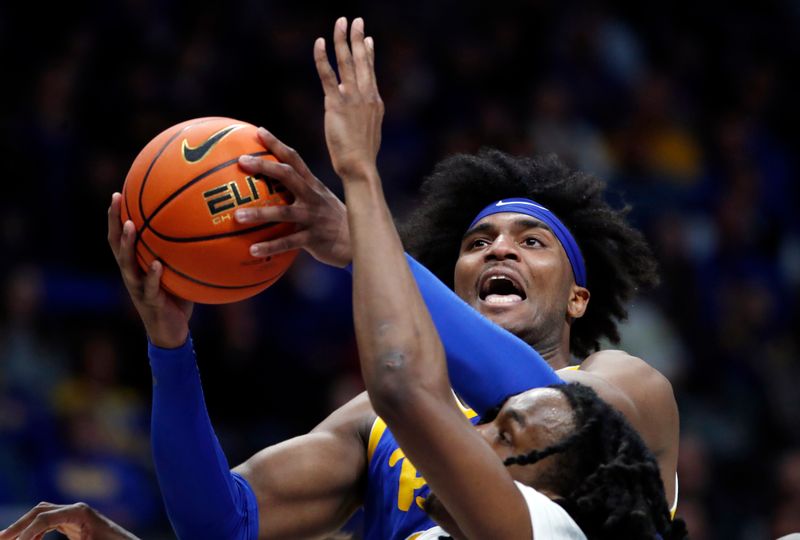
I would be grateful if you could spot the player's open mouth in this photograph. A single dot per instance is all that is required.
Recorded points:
(498, 289)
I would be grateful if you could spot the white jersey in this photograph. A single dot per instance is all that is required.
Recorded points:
(548, 519)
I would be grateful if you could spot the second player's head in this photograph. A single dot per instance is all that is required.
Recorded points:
(568, 444)
(514, 267)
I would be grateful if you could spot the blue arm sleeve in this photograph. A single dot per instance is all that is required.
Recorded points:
(203, 498)
(486, 363)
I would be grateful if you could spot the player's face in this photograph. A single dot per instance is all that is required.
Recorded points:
(513, 270)
(530, 421)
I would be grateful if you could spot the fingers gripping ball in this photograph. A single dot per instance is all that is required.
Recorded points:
(181, 192)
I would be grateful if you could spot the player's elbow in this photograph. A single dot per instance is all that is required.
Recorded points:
(400, 378)
(391, 378)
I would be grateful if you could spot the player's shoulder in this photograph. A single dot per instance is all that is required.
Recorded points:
(635, 374)
(617, 364)
(613, 357)
(627, 382)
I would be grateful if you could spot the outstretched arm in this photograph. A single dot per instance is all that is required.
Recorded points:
(298, 489)
(402, 359)
(202, 498)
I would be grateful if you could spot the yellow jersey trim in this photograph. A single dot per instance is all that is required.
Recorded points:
(379, 426)
(375, 434)
(469, 413)
(572, 368)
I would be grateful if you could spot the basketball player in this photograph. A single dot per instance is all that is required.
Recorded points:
(551, 317)
(515, 261)
(518, 268)
(560, 443)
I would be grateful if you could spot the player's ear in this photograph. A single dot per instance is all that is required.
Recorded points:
(578, 301)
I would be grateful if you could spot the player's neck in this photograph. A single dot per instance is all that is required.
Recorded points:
(554, 348)
(552, 344)
(554, 354)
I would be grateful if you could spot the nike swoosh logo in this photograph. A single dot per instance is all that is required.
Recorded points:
(503, 203)
(196, 153)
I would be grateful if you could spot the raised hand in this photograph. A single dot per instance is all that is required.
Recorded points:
(353, 106)
(321, 218)
(353, 115)
(76, 521)
(165, 317)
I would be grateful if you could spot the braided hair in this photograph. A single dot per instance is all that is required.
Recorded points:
(618, 260)
(608, 478)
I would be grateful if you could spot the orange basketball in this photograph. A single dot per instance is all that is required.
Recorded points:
(181, 192)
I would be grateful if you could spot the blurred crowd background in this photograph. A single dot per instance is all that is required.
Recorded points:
(688, 109)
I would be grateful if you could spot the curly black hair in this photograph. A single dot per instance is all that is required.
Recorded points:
(618, 260)
(608, 478)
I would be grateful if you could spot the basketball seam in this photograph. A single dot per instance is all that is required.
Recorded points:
(174, 195)
(189, 239)
(208, 284)
(153, 163)
(147, 175)
(190, 183)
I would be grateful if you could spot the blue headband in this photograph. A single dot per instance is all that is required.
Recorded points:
(536, 210)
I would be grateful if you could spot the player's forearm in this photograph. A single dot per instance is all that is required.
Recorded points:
(202, 497)
(398, 344)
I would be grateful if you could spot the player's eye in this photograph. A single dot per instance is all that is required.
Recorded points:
(533, 242)
(504, 437)
(478, 243)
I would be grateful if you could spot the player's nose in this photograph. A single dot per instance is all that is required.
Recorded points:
(503, 247)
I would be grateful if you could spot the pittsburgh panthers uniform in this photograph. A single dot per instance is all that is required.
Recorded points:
(395, 491)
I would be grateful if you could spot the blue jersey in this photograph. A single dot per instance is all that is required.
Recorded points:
(395, 491)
